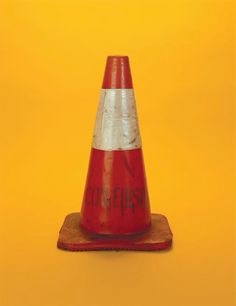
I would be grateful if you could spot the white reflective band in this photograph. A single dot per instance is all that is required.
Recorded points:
(116, 126)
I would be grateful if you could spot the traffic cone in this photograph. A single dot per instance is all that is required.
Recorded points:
(115, 210)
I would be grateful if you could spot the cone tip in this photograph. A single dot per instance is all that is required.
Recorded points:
(117, 73)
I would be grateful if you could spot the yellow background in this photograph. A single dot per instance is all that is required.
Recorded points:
(51, 66)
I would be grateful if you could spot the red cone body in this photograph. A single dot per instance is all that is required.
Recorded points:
(116, 198)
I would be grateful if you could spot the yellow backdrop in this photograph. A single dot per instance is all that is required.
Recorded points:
(51, 66)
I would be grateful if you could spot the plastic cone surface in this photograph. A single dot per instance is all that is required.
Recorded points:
(116, 199)
(115, 212)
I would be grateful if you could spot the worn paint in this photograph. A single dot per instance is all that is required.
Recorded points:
(116, 199)
(116, 126)
(73, 238)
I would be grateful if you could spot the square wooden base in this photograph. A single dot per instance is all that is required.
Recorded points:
(73, 238)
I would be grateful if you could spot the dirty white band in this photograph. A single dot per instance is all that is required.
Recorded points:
(116, 126)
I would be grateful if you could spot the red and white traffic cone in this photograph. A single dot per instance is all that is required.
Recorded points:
(116, 198)
(115, 211)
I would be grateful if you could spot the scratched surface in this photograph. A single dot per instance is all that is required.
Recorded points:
(72, 238)
(116, 197)
(116, 125)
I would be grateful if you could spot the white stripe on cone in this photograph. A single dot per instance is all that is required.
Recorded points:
(116, 126)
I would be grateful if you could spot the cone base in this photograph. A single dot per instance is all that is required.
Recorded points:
(73, 238)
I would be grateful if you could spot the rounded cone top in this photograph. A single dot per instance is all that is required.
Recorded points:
(117, 73)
